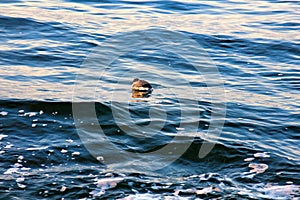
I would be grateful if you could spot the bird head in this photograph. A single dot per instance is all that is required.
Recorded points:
(135, 80)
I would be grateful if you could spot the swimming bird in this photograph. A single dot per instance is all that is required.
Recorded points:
(141, 85)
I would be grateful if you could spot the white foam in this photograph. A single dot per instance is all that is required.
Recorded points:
(21, 185)
(109, 182)
(143, 197)
(281, 191)
(154, 197)
(3, 113)
(205, 190)
(11, 171)
(17, 165)
(248, 159)
(104, 184)
(63, 151)
(69, 140)
(36, 148)
(30, 114)
(20, 157)
(205, 177)
(3, 136)
(100, 158)
(261, 155)
(8, 146)
(258, 167)
(76, 153)
(63, 188)
(21, 179)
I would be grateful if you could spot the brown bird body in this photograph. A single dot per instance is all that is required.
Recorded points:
(141, 85)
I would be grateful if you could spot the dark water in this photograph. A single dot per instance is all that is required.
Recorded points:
(55, 136)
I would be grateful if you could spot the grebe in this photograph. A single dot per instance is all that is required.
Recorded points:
(141, 85)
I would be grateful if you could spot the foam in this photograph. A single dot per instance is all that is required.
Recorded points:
(3, 113)
(37, 148)
(3, 136)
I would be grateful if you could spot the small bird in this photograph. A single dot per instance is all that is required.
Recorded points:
(141, 85)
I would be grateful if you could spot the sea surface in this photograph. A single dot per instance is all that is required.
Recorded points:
(222, 121)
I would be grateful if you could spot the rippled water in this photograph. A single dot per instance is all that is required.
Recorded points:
(58, 117)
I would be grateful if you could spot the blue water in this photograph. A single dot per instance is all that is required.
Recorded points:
(70, 128)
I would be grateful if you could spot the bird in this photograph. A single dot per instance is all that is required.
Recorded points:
(141, 85)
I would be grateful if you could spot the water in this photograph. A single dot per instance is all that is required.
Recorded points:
(48, 126)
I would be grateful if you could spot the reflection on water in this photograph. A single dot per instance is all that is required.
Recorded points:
(141, 94)
(254, 45)
(251, 19)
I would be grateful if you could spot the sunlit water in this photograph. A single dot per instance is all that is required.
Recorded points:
(45, 46)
